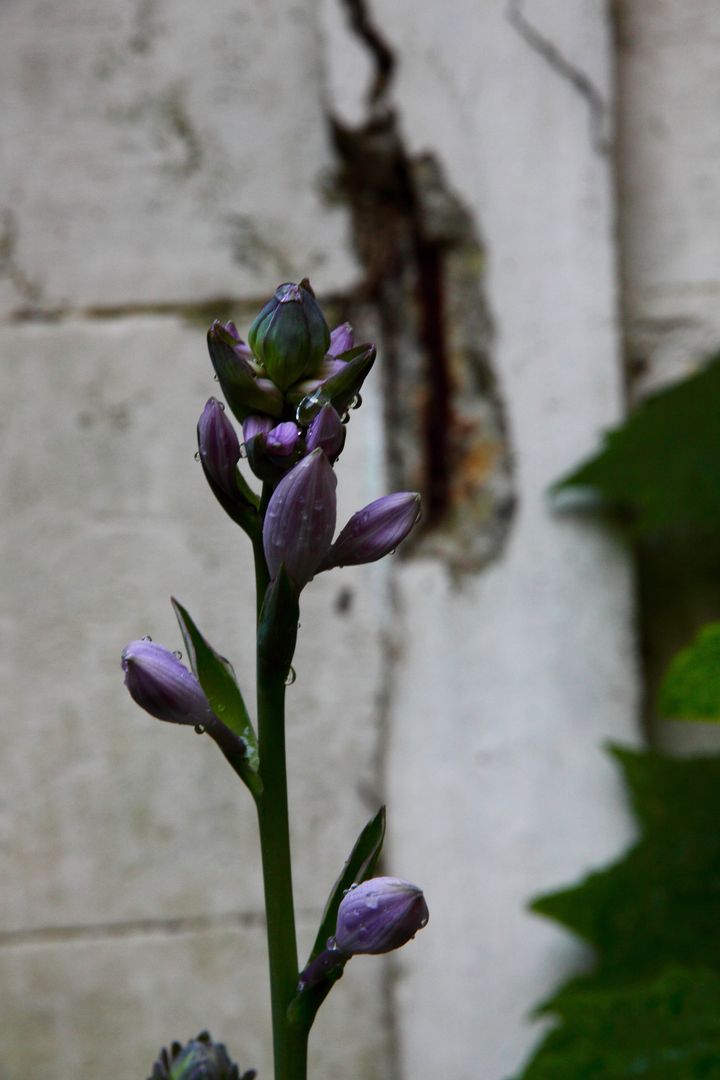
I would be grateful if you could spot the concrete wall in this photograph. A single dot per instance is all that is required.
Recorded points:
(164, 163)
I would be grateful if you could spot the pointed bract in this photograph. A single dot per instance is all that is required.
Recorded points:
(375, 531)
(379, 915)
(300, 519)
(244, 392)
(164, 687)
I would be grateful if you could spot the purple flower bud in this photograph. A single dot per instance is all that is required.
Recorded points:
(300, 519)
(282, 440)
(219, 446)
(290, 336)
(164, 687)
(379, 915)
(255, 424)
(375, 530)
(328, 432)
(341, 339)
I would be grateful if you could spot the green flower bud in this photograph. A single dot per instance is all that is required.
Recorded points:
(290, 336)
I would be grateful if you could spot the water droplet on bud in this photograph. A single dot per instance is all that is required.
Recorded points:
(147, 637)
(216, 378)
(356, 402)
(243, 450)
(290, 679)
(199, 729)
(177, 654)
(310, 406)
(196, 455)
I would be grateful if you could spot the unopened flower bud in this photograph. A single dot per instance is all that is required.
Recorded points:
(281, 441)
(219, 446)
(375, 531)
(200, 1058)
(255, 424)
(328, 432)
(300, 519)
(341, 339)
(290, 336)
(164, 687)
(379, 915)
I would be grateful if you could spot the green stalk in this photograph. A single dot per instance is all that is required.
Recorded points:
(289, 1039)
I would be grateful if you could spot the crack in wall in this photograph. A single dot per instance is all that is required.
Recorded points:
(28, 290)
(423, 263)
(600, 117)
(134, 928)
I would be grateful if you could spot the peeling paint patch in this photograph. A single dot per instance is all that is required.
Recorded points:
(424, 262)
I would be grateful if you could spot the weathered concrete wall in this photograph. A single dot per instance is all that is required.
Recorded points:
(163, 163)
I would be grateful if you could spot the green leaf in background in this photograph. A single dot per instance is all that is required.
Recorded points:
(691, 687)
(217, 678)
(664, 1028)
(661, 469)
(651, 1007)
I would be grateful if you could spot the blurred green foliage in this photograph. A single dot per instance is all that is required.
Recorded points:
(661, 469)
(651, 1007)
(691, 687)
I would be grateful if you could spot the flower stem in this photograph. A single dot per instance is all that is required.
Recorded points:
(289, 1038)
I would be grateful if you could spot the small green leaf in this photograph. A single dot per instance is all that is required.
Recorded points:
(691, 687)
(217, 678)
(359, 866)
(661, 468)
(277, 628)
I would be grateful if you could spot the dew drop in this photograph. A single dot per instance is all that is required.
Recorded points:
(216, 377)
(310, 406)
(222, 405)
(199, 729)
(345, 418)
(147, 637)
(356, 402)
(331, 944)
(177, 654)
(372, 903)
(290, 679)
(301, 986)
(243, 450)
(196, 455)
